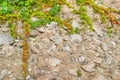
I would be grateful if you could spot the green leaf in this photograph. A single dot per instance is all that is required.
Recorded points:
(55, 10)
(37, 23)
(6, 7)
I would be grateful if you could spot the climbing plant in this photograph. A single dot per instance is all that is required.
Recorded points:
(46, 11)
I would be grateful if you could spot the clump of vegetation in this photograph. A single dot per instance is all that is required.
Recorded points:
(105, 11)
(86, 20)
(46, 11)
(79, 74)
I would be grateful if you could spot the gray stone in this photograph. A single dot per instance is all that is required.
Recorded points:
(113, 44)
(34, 19)
(34, 32)
(5, 38)
(73, 72)
(109, 60)
(7, 50)
(52, 48)
(104, 46)
(74, 24)
(89, 67)
(98, 30)
(57, 39)
(97, 41)
(54, 61)
(52, 25)
(67, 48)
(75, 38)
(35, 47)
(82, 59)
(3, 73)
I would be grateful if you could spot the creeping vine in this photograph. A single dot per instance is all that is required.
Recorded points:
(46, 11)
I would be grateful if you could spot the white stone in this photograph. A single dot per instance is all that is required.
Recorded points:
(75, 38)
(113, 44)
(54, 61)
(5, 38)
(89, 67)
(73, 72)
(34, 19)
(74, 24)
(4, 72)
(104, 47)
(67, 48)
(82, 59)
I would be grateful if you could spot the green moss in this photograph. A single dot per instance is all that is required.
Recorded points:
(79, 74)
(85, 18)
(13, 30)
(55, 10)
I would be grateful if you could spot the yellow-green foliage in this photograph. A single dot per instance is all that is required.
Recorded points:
(106, 12)
(24, 10)
(49, 10)
(86, 20)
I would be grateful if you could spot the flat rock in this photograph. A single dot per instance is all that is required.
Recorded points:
(5, 38)
(73, 72)
(3, 74)
(89, 67)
